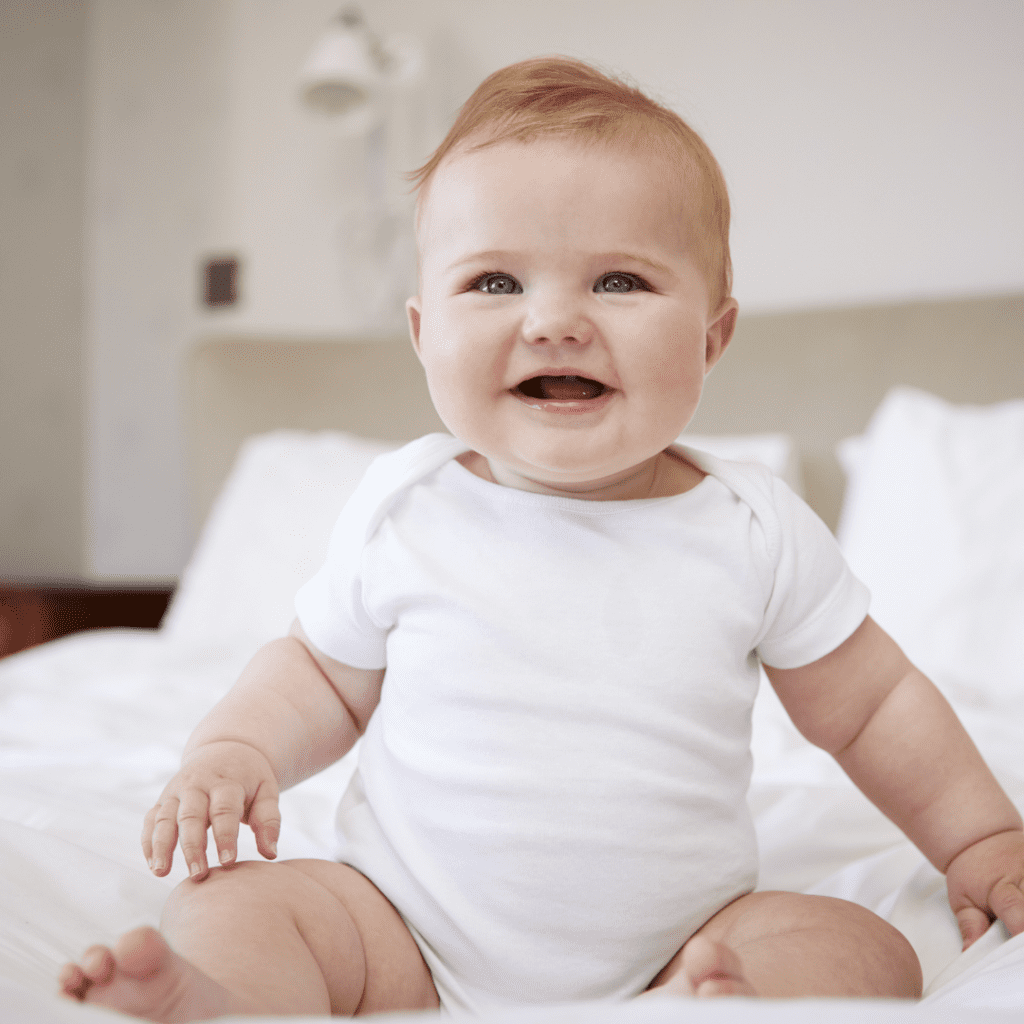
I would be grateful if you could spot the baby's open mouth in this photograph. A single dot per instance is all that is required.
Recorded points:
(562, 389)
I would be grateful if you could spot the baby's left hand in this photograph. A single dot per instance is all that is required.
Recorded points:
(985, 881)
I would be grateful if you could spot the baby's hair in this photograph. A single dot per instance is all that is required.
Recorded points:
(561, 96)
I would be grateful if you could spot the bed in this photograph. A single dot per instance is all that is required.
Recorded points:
(903, 426)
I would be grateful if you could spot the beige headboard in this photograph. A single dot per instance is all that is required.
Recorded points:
(816, 375)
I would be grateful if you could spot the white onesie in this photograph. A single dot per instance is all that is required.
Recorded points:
(552, 788)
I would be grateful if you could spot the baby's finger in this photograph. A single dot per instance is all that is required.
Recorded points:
(1007, 903)
(165, 836)
(147, 833)
(227, 804)
(193, 820)
(973, 924)
(265, 822)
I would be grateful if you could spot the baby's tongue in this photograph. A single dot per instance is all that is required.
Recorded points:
(570, 388)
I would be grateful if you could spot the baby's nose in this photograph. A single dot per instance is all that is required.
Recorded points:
(557, 319)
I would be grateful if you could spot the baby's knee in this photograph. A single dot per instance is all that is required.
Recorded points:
(887, 959)
(855, 950)
(246, 882)
(897, 955)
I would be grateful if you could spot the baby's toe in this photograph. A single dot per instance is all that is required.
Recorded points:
(72, 981)
(96, 968)
(713, 969)
(98, 965)
(141, 953)
(715, 987)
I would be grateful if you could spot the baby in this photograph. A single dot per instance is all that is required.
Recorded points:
(547, 629)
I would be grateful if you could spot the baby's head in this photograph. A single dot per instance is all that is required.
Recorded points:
(558, 97)
(574, 279)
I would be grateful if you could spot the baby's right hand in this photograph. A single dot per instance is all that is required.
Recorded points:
(219, 785)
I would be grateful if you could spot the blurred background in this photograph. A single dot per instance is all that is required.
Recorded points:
(164, 177)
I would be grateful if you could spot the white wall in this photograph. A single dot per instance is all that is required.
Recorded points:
(42, 74)
(874, 152)
(158, 77)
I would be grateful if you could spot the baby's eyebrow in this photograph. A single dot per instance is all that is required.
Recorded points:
(633, 257)
(498, 256)
(494, 256)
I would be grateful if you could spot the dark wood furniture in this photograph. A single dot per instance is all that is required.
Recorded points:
(32, 614)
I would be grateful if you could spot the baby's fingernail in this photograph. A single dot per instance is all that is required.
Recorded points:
(149, 862)
(194, 870)
(273, 848)
(227, 856)
(159, 865)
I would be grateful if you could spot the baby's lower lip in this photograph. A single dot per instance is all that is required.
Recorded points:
(574, 406)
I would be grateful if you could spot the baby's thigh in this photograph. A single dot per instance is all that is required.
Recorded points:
(791, 944)
(397, 976)
(314, 924)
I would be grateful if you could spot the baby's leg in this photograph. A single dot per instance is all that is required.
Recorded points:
(785, 944)
(307, 936)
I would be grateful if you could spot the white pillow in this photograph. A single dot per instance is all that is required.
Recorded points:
(268, 530)
(933, 523)
(776, 451)
(266, 535)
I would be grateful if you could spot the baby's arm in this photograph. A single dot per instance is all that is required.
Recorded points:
(292, 712)
(901, 743)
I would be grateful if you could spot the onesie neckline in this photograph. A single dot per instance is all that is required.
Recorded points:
(579, 506)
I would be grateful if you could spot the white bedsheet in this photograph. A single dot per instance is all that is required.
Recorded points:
(92, 726)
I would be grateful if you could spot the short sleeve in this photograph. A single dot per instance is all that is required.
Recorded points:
(330, 606)
(816, 602)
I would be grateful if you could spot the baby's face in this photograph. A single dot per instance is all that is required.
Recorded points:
(562, 323)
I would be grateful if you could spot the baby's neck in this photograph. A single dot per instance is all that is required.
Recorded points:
(662, 476)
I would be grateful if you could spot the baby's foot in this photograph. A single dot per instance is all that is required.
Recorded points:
(144, 977)
(713, 969)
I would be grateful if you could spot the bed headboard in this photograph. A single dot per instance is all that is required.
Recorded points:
(817, 375)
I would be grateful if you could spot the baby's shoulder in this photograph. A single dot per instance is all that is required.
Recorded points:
(777, 515)
(392, 474)
(750, 482)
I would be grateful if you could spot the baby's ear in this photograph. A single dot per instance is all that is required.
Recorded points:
(719, 332)
(412, 311)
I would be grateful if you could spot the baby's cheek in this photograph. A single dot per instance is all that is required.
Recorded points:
(458, 404)
(670, 403)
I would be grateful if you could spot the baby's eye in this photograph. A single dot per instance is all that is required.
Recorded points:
(497, 284)
(620, 282)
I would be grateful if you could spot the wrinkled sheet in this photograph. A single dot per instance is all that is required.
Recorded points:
(92, 726)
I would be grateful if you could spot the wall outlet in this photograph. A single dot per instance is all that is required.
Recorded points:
(220, 279)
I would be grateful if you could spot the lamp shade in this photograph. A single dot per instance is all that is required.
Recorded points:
(350, 73)
(345, 69)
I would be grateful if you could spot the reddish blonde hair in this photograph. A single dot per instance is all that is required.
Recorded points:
(566, 97)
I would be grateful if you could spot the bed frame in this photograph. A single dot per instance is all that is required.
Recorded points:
(816, 375)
